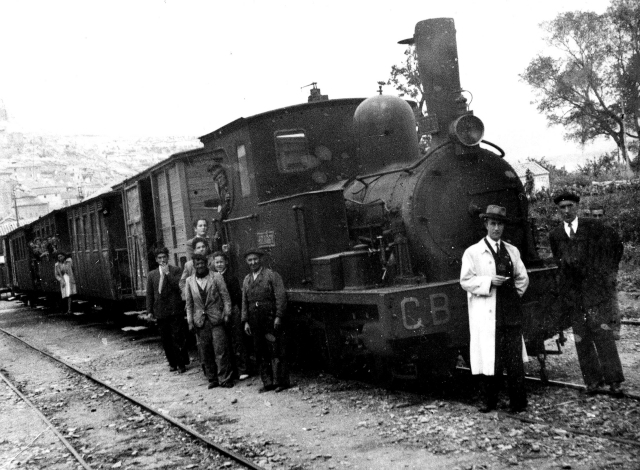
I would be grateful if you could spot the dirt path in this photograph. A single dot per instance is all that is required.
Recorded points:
(320, 423)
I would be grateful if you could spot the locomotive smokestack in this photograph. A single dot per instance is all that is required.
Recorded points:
(437, 52)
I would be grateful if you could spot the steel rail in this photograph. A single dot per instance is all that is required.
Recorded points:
(66, 443)
(560, 384)
(224, 451)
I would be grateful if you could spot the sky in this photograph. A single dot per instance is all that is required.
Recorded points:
(185, 68)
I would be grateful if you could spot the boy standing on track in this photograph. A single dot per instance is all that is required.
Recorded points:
(234, 327)
(165, 304)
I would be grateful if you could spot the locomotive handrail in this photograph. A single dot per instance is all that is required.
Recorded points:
(244, 217)
(502, 153)
(407, 169)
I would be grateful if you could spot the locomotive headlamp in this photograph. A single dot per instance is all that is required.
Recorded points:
(467, 130)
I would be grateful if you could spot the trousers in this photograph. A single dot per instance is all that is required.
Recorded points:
(270, 348)
(597, 352)
(213, 345)
(174, 340)
(235, 332)
(509, 357)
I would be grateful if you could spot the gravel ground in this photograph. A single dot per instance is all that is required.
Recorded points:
(325, 423)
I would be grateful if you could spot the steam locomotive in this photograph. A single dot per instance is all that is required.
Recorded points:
(367, 230)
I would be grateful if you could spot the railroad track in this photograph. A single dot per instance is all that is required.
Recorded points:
(239, 459)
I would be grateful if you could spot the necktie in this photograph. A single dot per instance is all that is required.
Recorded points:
(497, 247)
(571, 232)
(161, 281)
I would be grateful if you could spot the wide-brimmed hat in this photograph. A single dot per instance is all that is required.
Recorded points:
(496, 213)
(254, 251)
(566, 196)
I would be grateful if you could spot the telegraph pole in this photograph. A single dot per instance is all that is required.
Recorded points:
(15, 203)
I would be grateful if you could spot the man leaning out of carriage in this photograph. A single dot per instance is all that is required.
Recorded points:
(495, 279)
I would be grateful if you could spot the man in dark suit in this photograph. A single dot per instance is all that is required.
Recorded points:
(587, 252)
(164, 302)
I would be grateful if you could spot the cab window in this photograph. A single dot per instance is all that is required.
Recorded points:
(292, 151)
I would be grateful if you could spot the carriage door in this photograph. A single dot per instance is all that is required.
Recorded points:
(136, 240)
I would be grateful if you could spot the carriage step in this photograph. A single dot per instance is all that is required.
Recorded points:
(135, 328)
(135, 312)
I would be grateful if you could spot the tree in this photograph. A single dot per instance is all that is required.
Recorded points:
(406, 78)
(592, 87)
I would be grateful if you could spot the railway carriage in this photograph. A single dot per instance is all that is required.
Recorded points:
(159, 206)
(21, 270)
(49, 234)
(97, 239)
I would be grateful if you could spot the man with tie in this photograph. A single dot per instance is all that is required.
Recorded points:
(165, 304)
(264, 302)
(587, 254)
(495, 278)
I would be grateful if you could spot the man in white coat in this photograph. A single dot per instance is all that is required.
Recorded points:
(495, 278)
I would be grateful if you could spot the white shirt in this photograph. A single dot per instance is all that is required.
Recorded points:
(574, 224)
(256, 274)
(202, 282)
(494, 244)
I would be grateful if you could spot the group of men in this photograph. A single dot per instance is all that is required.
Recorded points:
(221, 313)
(587, 253)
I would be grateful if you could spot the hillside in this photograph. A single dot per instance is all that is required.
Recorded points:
(58, 170)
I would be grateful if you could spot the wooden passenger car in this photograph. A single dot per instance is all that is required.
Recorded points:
(159, 207)
(21, 269)
(51, 234)
(99, 248)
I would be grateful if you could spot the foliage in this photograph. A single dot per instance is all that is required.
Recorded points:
(405, 77)
(593, 88)
(605, 168)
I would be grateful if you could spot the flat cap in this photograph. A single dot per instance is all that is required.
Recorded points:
(566, 196)
(254, 251)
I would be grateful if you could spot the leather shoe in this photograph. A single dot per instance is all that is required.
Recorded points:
(266, 388)
(592, 389)
(487, 407)
(213, 385)
(172, 368)
(616, 389)
(228, 384)
(182, 369)
(280, 388)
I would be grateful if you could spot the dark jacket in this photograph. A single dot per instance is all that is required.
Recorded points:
(233, 286)
(587, 264)
(265, 293)
(169, 302)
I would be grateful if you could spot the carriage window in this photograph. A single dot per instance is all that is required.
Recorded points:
(94, 231)
(78, 232)
(243, 169)
(85, 231)
(292, 151)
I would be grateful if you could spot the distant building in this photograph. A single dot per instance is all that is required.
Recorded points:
(540, 174)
